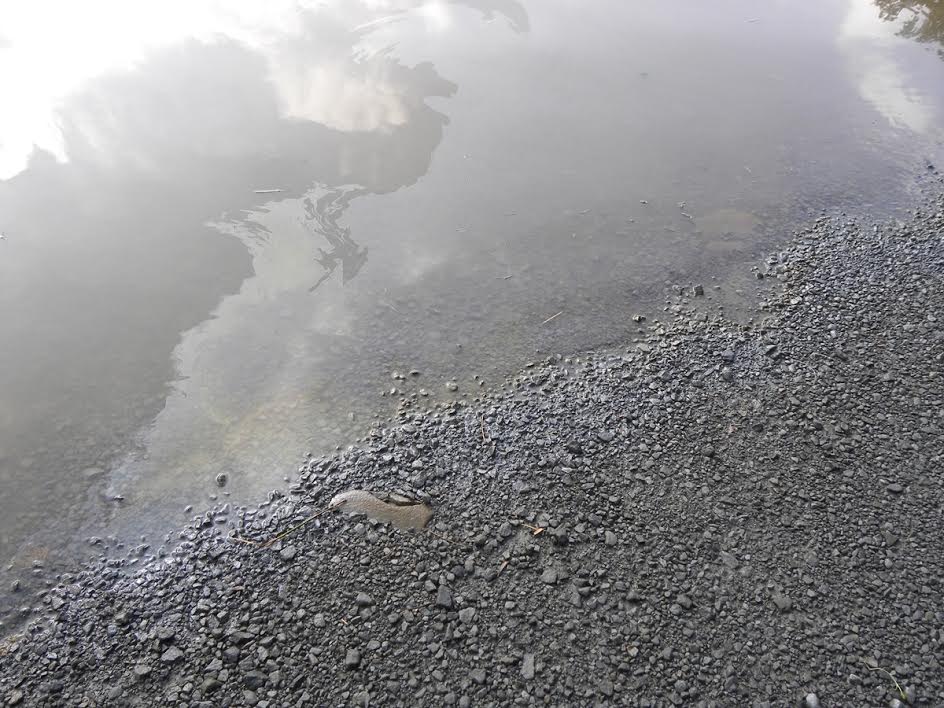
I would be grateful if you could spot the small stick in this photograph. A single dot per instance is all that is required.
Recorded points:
(266, 544)
(535, 530)
(267, 191)
(244, 540)
(901, 693)
(503, 566)
(295, 528)
(552, 317)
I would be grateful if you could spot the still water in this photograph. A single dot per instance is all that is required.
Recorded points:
(226, 225)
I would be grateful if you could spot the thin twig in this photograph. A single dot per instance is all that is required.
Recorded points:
(244, 540)
(552, 317)
(293, 529)
(901, 693)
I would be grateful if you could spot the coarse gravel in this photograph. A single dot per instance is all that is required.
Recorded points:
(722, 514)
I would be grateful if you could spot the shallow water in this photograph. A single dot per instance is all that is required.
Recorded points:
(451, 176)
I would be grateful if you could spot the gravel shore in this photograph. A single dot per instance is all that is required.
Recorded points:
(725, 514)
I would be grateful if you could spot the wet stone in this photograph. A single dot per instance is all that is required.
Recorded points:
(527, 667)
(254, 679)
(172, 655)
(352, 659)
(209, 685)
(444, 597)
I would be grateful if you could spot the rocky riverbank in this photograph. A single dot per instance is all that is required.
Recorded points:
(722, 514)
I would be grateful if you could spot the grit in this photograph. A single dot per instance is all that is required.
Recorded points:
(724, 513)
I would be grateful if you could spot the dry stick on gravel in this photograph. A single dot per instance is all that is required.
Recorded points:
(247, 541)
(486, 438)
(552, 317)
(901, 693)
(293, 529)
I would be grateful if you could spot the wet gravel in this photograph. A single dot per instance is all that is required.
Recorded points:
(725, 513)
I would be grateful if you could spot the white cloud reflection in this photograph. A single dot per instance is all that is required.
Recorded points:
(52, 48)
(870, 43)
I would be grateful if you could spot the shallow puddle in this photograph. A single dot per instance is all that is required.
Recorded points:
(225, 232)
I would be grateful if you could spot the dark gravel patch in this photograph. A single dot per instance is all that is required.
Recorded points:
(730, 514)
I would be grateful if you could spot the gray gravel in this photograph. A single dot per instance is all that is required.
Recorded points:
(732, 514)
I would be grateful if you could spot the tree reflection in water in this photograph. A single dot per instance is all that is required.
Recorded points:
(920, 20)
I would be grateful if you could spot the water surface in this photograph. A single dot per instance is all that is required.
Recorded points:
(225, 231)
